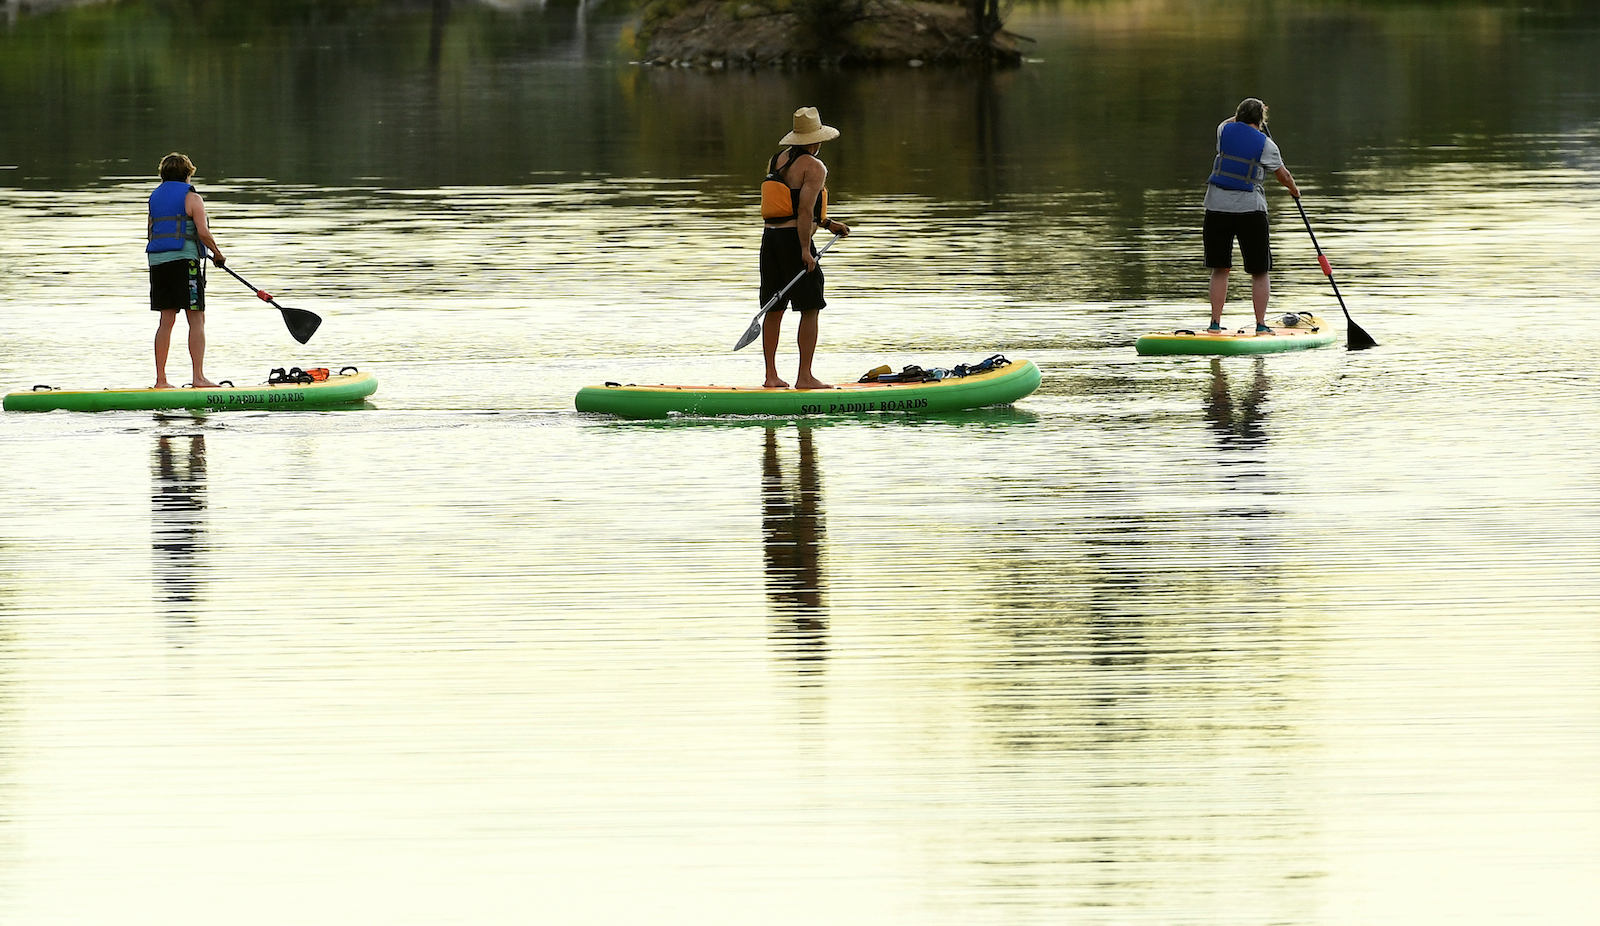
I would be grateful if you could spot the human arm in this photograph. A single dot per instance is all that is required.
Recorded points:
(1272, 159)
(812, 178)
(1287, 179)
(196, 208)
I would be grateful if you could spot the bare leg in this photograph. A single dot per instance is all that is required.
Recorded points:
(197, 347)
(804, 379)
(164, 326)
(771, 327)
(1260, 293)
(1219, 293)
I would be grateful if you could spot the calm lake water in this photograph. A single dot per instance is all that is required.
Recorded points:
(1305, 639)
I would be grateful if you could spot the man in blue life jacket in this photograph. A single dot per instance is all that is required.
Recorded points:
(1236, 207)
(177, 242)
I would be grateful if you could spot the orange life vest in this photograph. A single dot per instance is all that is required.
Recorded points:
(780, 202)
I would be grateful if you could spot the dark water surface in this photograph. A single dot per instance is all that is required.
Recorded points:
(1303, 639)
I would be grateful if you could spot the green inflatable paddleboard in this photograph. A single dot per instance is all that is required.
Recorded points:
(343, 389)
(1005, 383)
(1308, 331)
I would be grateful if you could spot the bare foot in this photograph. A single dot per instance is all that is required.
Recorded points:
(203, 384)
(163, 384)
(774, 383)
(811, 382)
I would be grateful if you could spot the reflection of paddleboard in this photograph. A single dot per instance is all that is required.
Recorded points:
(1000, 386)
(1308, 331)
(342, 389)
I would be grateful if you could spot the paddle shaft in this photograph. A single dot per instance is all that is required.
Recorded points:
(1327, 269)
(261, 294)
(301, 323)
(1358, 338)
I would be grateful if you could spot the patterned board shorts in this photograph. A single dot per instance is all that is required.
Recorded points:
(178, 284)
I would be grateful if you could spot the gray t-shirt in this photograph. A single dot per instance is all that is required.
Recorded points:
(1223, 200)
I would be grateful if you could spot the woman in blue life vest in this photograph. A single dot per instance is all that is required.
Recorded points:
(794, 205)
(1236, 207)
(177, 242)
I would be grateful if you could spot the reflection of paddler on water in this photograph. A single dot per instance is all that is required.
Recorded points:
(177, 527)
(1237, 422)
(791, 523)
(794, 205)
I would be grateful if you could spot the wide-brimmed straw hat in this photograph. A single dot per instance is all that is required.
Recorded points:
(808, 128)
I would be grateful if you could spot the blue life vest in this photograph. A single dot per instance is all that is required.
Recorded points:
(170, 227)
(1238, 165)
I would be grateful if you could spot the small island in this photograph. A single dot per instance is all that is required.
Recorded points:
(789, 33)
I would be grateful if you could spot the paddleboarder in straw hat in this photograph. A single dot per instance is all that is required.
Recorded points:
(794, 205)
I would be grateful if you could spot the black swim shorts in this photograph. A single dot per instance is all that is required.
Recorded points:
(178, 284)
(1254, 241)
(780, 261)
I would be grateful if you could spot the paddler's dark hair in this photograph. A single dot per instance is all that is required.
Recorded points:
(176, 167)
(1251, 111)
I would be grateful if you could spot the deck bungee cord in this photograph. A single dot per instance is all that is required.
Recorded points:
(916, 374)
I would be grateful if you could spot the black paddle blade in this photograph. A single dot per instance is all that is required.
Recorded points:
(1356, 337)
(302, 324)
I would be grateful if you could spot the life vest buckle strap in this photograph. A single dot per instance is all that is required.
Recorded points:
(179, 231)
